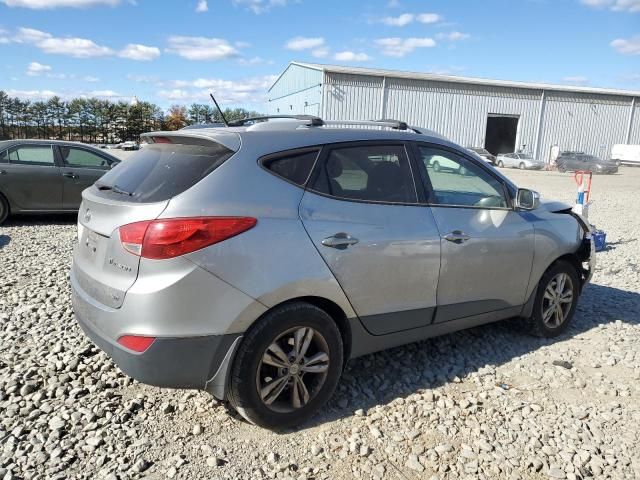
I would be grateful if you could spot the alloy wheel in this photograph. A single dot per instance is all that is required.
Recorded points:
(293, 369)
(557, 300)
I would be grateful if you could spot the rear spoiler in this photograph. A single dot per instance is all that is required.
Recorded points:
(230, 140)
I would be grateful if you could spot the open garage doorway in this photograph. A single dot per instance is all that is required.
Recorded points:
(501, 134)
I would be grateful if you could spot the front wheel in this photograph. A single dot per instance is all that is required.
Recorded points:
(4, 209)
(500, 164)
(555, 302)
(522, 166)
(436, 166)
(287, 366)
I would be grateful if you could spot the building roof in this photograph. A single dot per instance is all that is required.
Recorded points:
(379, 72)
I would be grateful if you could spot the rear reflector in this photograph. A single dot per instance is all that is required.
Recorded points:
(137, 343)
(172, 237)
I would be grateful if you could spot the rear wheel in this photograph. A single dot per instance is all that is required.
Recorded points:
(521, 166)
(287, 366)
(436, 166)
(562, 168)
(556, 300)
(4, 209)
(500, 164)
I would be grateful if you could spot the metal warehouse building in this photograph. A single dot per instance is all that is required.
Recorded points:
(502, 116)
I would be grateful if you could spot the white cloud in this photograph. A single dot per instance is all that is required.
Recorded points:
(407, 18)
(90, 78)
(35, 69)
(399, 21)
(4, 36)
(453, 36)
(304, 43)
(260, 6)
(74, 47)
(428, 18)
(201, 48)
(399, 47)
(576, 80)
(249, 90)
(50, 4)
(142, 78)
(348, 56)
(134, 51)
(629, 46)
(615, 5)
(254, 61)
(202, 6)
(104, 93)
(321, 52)
(65, 95)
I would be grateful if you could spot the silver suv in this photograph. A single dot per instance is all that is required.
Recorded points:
(254, 261)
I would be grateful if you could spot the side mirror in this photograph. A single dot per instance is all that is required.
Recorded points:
(527, 199)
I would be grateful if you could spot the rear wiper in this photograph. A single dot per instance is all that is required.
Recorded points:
(113, 188)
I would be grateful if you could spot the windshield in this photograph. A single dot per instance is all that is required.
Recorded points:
(161, 171)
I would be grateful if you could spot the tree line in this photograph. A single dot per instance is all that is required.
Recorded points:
(94, 120)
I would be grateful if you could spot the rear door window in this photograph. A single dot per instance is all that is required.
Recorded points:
(373, 173)
(30, 155)
(161, 171)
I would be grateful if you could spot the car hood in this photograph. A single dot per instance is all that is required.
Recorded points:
(554, 206)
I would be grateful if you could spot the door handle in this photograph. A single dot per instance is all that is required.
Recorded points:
(340, 241)
(70, 175)
(457, 236)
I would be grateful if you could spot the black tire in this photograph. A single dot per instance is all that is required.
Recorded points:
(4, 209)
(521, 166)
(500, 164)
(244, 381)
(536, 324)
(436, 166)
(562, 169)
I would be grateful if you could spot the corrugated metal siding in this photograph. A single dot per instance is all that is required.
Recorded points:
(297, 91)
(460, 112)
(351, 97)
(588, 123)
(634, 138)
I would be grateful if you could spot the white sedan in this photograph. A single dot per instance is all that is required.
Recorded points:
(523, 161)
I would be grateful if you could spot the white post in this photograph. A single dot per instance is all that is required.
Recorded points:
(536, 148)
(631, 114)
(383, 98)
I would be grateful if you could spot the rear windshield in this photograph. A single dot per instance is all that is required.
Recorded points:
(161, 171)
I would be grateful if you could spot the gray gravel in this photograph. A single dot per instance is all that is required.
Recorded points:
(484, 403)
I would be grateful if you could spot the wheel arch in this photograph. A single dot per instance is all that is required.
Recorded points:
(331, 308)
(6, 201)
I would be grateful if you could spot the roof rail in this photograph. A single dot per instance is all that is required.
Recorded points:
(394, 124)
(313, 120)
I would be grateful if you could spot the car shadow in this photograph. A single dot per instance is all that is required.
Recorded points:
(44, 219)
(382, 377)
(4, 240)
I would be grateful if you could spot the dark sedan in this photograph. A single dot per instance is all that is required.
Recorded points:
(573, 161)
(47, 176)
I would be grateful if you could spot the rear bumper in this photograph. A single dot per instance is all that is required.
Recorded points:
(174, 362)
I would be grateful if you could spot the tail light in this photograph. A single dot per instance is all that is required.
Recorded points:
(137, 343)
(172, 237)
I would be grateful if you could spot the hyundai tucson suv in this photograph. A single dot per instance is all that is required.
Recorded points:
(254, 261)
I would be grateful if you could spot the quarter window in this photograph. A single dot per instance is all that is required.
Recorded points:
(375, 173)
(457, 181)
(78, 157)
(30, 155)
(294, 167)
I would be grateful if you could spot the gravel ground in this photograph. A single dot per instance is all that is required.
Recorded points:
(485, 403)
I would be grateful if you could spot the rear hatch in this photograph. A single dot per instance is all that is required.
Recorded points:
(137, 189)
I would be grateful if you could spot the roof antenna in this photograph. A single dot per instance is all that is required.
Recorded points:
(224, 119)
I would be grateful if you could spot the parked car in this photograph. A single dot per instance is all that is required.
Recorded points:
(484, 154)
(523, 161)
(256, 273)
(625, 154)
(572, 161)
(130, 145)
(46, 176)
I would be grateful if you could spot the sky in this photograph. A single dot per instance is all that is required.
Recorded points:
(177, 51)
